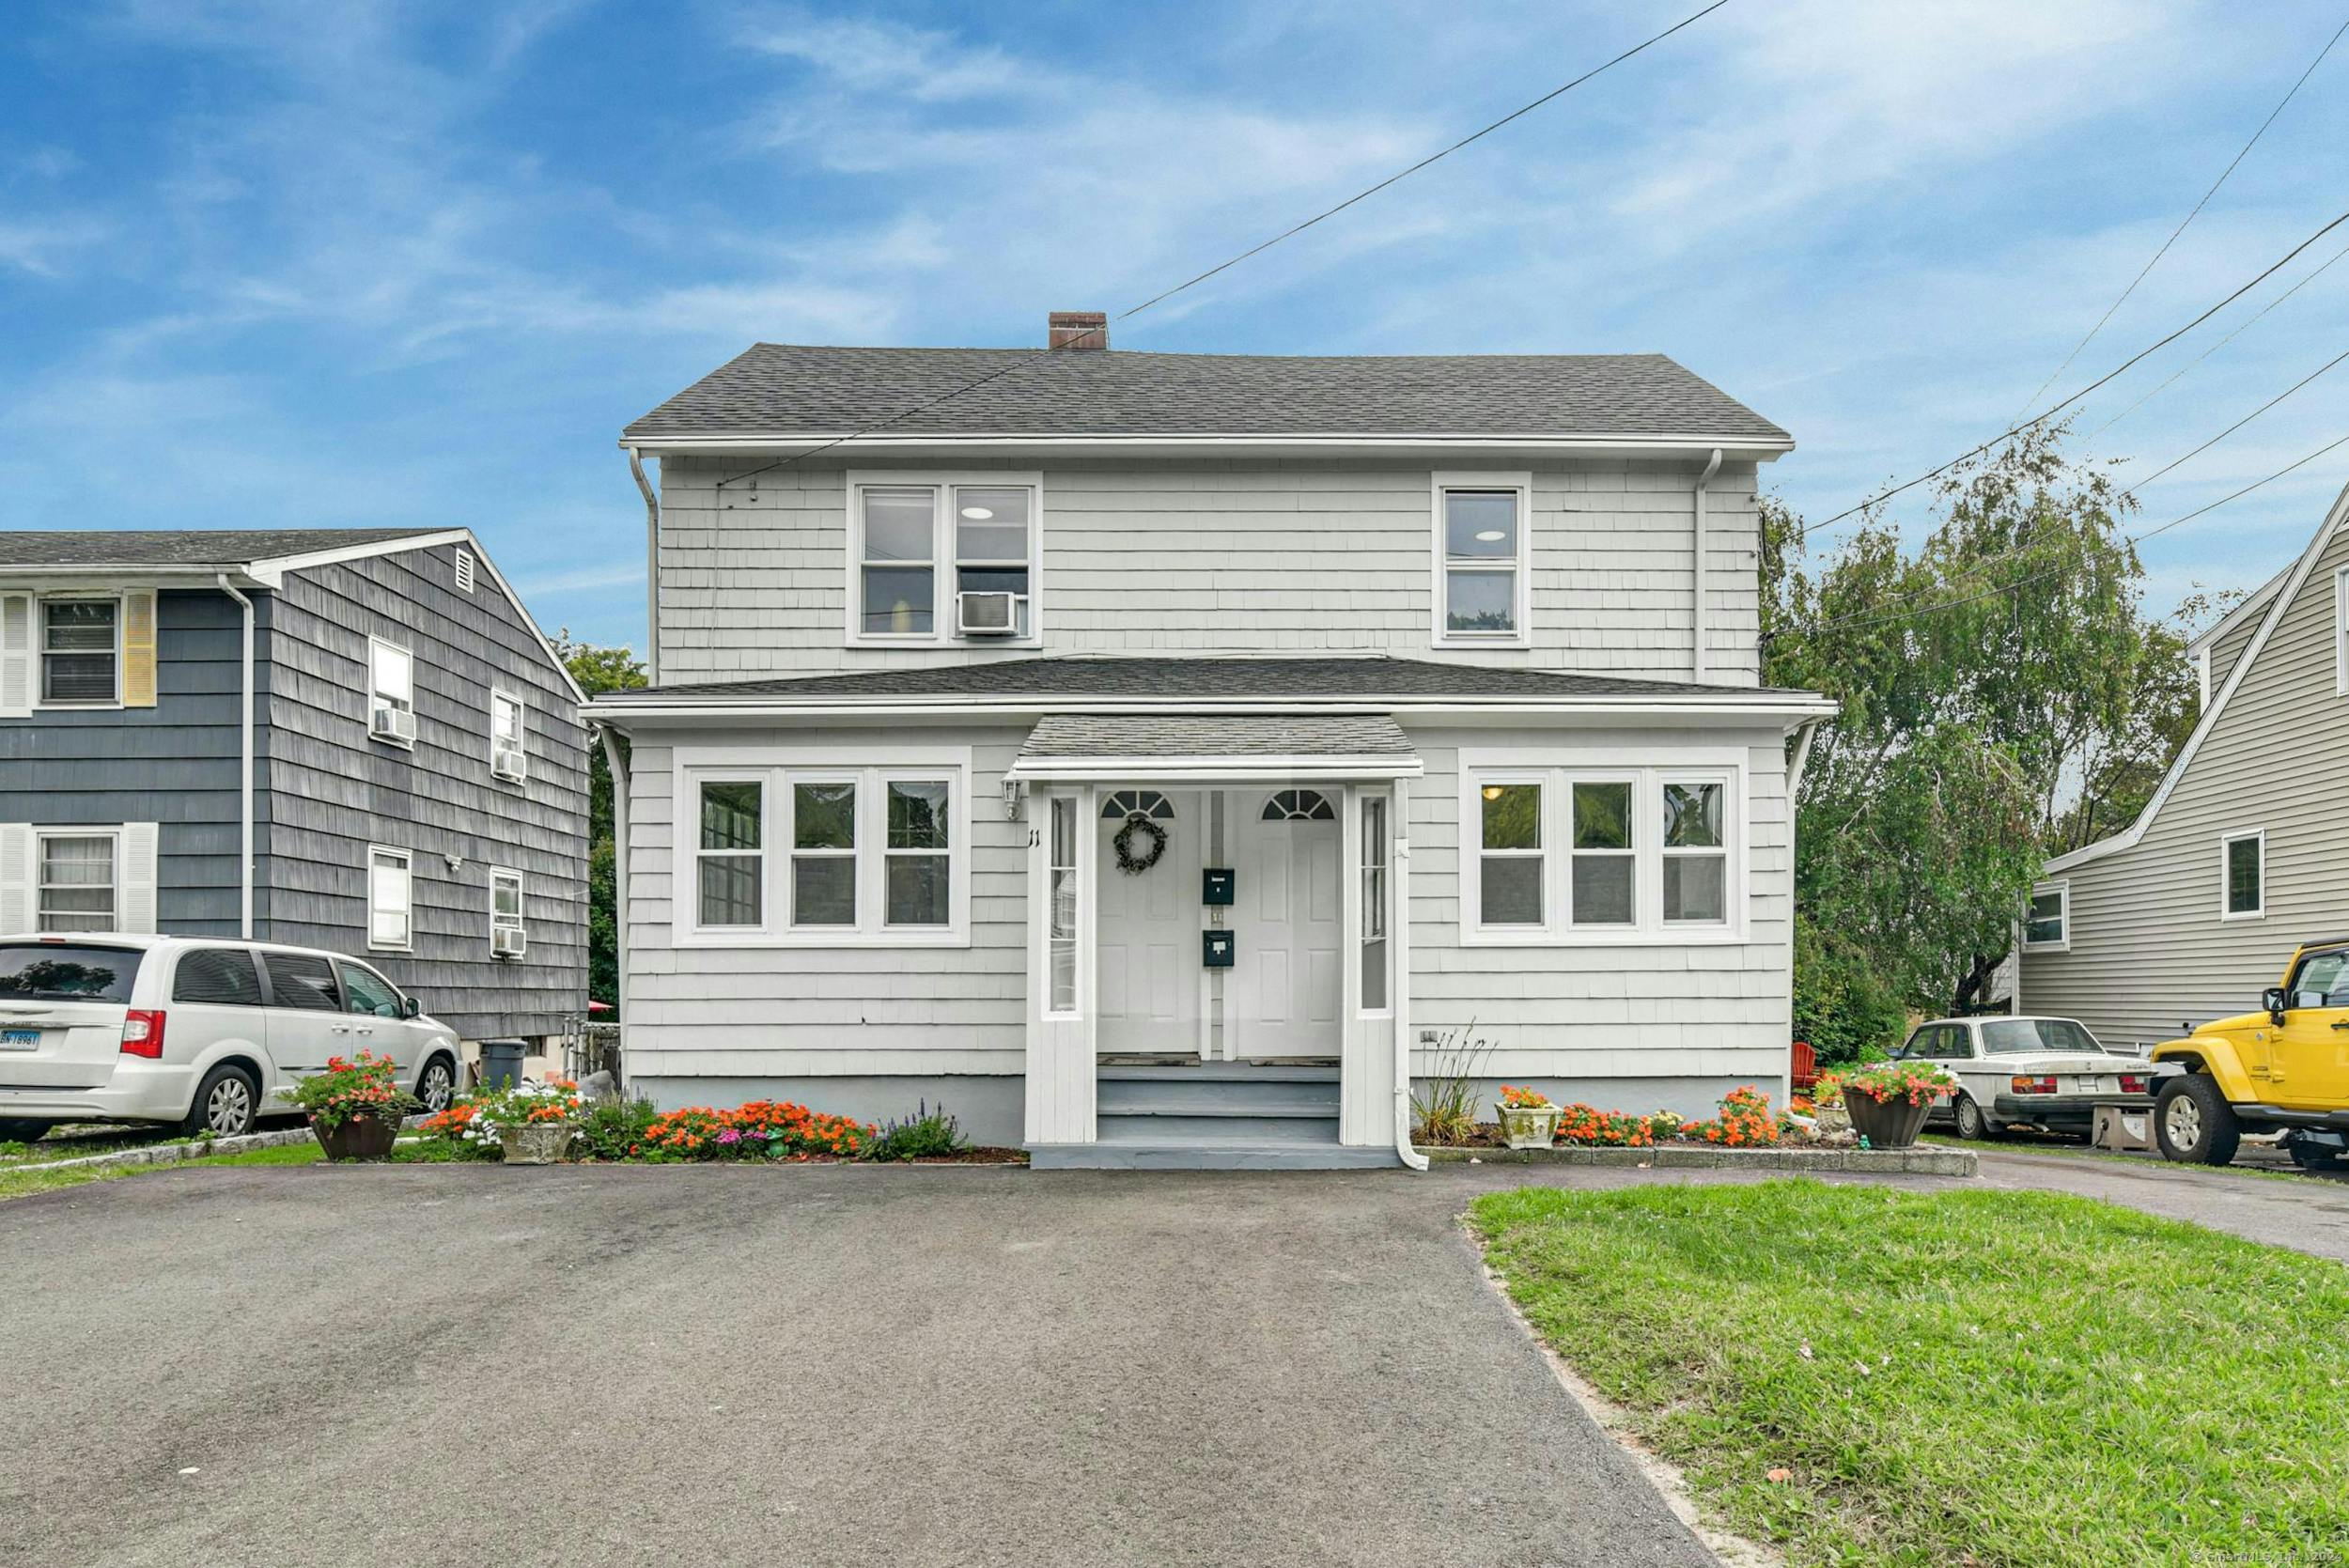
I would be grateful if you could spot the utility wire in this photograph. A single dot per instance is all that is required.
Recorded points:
(1808, 529)
(1257, 249)
(2056, 572)
(2182, 222)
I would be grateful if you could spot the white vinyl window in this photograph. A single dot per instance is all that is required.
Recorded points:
(77, 882)
(391, 920)
(391, 692)
(1598, 853)
(1375, 849)
(81, 652)
(2047, 921)
(2341, 640)
(1061, 912)
(944, 558)
(505, 908)
(2243, 876)
(1482, 548)
(831, 855)
(509, 759)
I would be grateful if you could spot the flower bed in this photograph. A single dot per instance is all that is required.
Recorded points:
(632, 1132)
(1745, 1121)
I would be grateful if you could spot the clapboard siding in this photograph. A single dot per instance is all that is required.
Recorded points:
(2147, 951)
(174, 764)
(1201, 556)
(1581, 1013)
(335, 792)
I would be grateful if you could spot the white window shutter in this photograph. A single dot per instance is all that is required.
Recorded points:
(16, 876)
(16, 657)
(134, 900)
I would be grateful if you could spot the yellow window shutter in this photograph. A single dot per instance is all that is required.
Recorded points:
(138, 648)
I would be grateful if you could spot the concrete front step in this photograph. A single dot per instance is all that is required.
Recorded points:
(1207, 1154)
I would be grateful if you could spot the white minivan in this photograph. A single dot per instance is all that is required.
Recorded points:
(193, 1030)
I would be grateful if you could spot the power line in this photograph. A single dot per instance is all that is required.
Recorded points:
(1257, 249)
(2058, 571)
(2182, 222)
(1808, 529)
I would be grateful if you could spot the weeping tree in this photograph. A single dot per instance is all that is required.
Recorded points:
(1984, 673)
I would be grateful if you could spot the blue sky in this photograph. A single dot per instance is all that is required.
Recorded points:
(305, 262)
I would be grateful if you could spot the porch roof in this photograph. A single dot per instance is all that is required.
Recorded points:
(1222, 746)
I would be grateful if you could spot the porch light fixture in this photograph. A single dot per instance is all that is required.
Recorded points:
(1485, 536)
(1492, 792)
(980, 514)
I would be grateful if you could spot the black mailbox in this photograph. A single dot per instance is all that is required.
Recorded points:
(1215, 885)
(1215, 949)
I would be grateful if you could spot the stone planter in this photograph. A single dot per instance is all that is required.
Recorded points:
(536, 1143)
(1886, 1124)
(1530, 1126)
(357, 1137)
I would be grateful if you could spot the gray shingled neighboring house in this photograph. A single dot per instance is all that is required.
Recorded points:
(2190, 913)
(347, 738)
(1156, 757)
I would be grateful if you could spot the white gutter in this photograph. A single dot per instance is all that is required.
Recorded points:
(1794, 768)
(1761, 712)
(1399, 922)
(652, 569)
(1696, 640)
(245, 768)
(1641, 443)
(1251, 770)
(619, 877)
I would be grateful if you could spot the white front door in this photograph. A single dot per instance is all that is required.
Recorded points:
(1148, 943)
(1287, 980)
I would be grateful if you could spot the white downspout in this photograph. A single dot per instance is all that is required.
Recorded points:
(244, 769)
(619, 877)
(1696, 623)
(652, 570)
(1400, 923)
(1795, 768)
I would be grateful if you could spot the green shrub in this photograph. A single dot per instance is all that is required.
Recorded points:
(928, 1135)
(1841, 1006)
(614, 1128)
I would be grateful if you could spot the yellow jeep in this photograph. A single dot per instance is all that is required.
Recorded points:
(2282, 1069)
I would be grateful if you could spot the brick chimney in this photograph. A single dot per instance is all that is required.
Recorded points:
(1078, 329)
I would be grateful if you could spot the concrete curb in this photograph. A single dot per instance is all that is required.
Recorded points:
(1678, 1157)
(171, 1154)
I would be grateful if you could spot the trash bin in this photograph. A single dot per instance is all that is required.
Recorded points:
(501, 1064)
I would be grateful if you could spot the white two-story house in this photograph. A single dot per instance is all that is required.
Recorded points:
(1167, 758)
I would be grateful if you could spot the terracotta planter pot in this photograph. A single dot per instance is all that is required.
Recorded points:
(538, 1143)
(1884, 1123)
(357, 1137)
(1530, 1126)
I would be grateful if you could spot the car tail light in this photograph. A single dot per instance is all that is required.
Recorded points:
(143, 1033)
(2032, 1085)
(2133, 1083)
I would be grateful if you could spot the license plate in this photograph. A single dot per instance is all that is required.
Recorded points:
(19, 1039)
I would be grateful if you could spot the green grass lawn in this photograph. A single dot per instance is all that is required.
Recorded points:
(23, 1184)
(1997, 1379)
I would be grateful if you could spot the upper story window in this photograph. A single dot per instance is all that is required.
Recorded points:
(943, 559)
(507, 758)
(1483, 559)
(391, 692)
(508, 934)
(2341, 640)
(81, 652)
(2243, 876)
(2047, 923)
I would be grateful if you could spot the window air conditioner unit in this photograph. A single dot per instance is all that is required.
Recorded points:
(393, 724)
(510, 763)
(989, 615)
(508, 941)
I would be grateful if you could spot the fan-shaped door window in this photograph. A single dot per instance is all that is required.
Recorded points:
(1124, 803)
(1298, 805)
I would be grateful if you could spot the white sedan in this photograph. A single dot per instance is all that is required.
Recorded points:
(2046, 1073)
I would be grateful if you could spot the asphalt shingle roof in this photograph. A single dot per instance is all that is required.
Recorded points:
(181, 547)
(794, 389)
(1184, 735)
(1357, 678)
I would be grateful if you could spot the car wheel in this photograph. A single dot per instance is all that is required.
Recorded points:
(225, 1104)
(2194, 1124)
(1971, 1123)
(16, 1130)
(436, 1086)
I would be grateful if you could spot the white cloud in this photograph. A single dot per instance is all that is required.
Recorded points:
(586, 580)
(42, 246)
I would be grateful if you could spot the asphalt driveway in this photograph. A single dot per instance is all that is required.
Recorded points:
(457, 1365)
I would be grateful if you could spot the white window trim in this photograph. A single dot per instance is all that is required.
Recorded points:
(2341, 640)
(1557, 772)
(2063, 890)
(41, 648)
(941, 484)
(40, 855)
(775, 769)
(368, 718)
(521, 922)
(2226, 841)
(521, 731)
(408, 864)
(1523, 483)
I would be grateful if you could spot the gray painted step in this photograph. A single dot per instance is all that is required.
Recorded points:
(1217, 1097)
(1207, 1156)
(1173, 1128)
(1221, 1072)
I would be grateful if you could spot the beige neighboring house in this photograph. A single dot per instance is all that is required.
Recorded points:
(2242, 853)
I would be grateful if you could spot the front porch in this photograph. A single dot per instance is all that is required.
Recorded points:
(1214, 951)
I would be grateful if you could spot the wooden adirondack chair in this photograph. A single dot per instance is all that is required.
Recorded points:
(1806, 1071)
